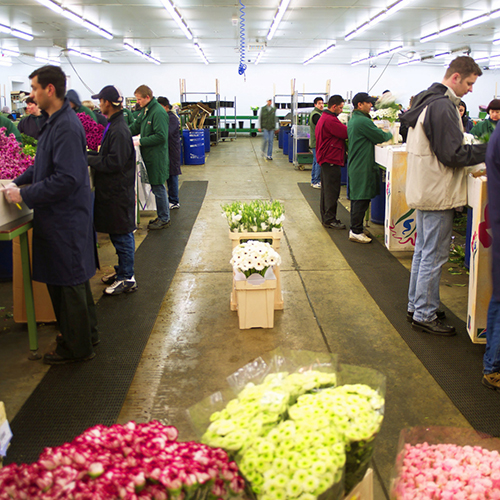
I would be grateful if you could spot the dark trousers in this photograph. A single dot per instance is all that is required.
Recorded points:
(76, 319)
(358, 211)
(330, 191)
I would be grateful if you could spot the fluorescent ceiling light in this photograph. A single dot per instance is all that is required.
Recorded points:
(380, 16)
(411, 61)
(142, 54)
(177, 18)
(85, 56)
(442, 54)
(380, 54)
(44, 60)
(319, 54)
(128, 47)
(22, 34)
(429, 38)
(494, 14)
(475, 21)
(90, 26)
(200, 52)
(259, 57)
(496, 42)
(105, 34)
(277, 18)
(72, 16)
(51, 5)
(449, 31)
(10, 52)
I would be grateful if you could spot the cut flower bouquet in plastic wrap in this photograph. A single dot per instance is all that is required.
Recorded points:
(446, 463)
(292, 421)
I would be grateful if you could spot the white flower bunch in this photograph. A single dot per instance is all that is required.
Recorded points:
(389, 114)
(256, 216)
(254, 256)
(343, 117)
(470, 139)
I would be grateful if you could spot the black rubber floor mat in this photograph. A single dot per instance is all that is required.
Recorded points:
(72, 398)
(455, 362)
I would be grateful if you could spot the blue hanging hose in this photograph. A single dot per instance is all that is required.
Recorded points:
(242, 67)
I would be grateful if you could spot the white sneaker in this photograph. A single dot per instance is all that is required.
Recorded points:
(359, 238)
(316, 186)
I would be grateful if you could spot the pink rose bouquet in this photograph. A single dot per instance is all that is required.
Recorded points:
(93, 131)
(13, 161)
(130, 462)
(437, 470)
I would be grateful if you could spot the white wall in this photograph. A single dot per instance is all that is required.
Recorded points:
(260, 80)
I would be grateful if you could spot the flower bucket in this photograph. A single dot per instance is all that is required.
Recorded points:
(274, 238)
(255, 299)
(437, 460)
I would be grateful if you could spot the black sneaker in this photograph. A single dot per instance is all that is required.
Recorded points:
(159, 224)
(440, 315)
(109, 279)
(336, 224)
(122, 286)
(173, 206)
(434, 327)
(152, 221)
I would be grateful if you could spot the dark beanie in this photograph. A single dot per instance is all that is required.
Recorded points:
(495, 104)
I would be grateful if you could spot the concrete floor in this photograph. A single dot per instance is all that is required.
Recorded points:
(196, 342)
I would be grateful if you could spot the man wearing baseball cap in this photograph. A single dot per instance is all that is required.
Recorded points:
(364, 174)
(488, 126)
(114, 181)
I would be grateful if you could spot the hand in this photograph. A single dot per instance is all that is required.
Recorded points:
(137, 141)
(260, 130)
(12, 193)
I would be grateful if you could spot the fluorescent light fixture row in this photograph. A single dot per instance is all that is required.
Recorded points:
(277, 18)
(200, 53)
(380, 16)
(17, 33)
(85, 56)
(411, 61)
(10, 52)
(496, 42)
(55, 7)
(259, 57)
(142, 54)
(380, 54)
(465, 25)
(177, 18)
(319, 54)
(45, 60)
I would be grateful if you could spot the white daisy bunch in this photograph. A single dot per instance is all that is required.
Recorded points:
(470, 139)
(344, 118)
(389, 114)
(254, 256)
(294, 461)
(255, 216)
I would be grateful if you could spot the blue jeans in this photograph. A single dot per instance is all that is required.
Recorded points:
(316, 169)
(125, 248)
(432, 250)
(267, 141)
(162, 209)
(173, 189)
(491, 359)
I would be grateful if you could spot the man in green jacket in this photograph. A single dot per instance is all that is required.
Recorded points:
(267, 121)
(488, 126)
(11, 128)
(76, 104)
(363, 172)
(152, 124)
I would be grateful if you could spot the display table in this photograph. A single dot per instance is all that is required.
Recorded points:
(9, 231)
(400, 220)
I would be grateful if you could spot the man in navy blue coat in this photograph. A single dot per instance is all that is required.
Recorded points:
(57, 187)
(491, 360)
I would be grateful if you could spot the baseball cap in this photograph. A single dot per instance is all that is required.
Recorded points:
(362, 97)
(110, 93)
(495, 104)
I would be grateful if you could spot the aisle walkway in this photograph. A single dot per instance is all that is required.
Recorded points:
(196, 342)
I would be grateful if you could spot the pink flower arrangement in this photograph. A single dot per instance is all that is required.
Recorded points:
(93, 131)
(448, 472)
(13, 161)
(130, 462)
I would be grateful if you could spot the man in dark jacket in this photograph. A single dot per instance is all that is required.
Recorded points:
(174, 154)
(57, 187)
(267, 122)
(331, 135)
(32, 123)
(76, 104)
(313, 121)
(491, 360)
(152, 124)
(436, 184)
(114, 181)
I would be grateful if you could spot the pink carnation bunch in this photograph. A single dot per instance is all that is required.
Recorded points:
(93, 131)
(129, 462)
(13, 161)
(448, 472)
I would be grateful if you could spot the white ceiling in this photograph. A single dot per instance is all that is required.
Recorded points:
(308, 27)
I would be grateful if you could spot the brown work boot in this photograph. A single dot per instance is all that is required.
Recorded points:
(492, 381)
